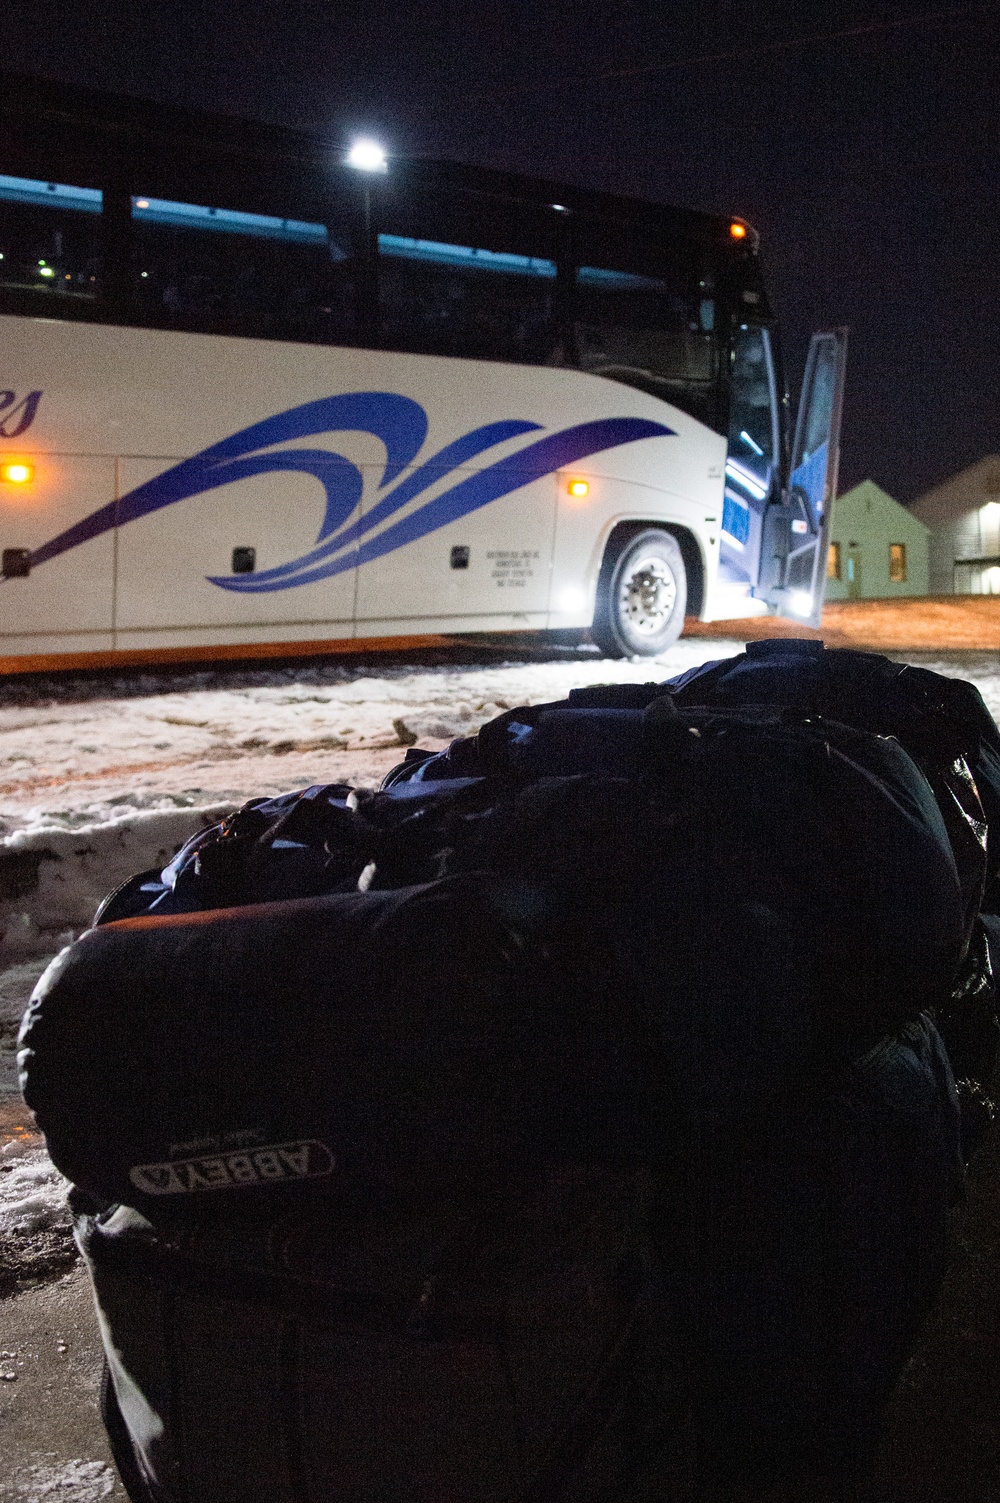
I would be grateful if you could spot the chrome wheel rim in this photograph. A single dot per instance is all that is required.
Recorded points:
(647, 596)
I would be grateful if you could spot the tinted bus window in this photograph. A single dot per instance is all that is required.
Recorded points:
(467, 277)
(50, 238)
(221, 271)
(644, 315)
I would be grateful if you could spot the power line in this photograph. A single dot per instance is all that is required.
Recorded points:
(489, 96)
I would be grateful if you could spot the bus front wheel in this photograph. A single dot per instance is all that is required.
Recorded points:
(641, 596)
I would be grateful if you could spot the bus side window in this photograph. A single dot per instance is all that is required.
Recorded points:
(644, 317)
(459, 277)
(50, 239)
(223, 271)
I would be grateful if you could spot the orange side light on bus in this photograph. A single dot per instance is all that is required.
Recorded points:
(738, 231)
(579, 488)
(16, 472)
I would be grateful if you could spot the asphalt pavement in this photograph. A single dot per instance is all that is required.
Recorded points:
(53, 1444)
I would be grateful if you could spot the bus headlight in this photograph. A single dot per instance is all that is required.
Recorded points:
(800, 601)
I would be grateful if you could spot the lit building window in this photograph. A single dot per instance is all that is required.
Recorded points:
(833, 561)
(897, 563)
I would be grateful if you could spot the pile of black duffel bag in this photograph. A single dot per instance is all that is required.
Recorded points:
(566, 1122)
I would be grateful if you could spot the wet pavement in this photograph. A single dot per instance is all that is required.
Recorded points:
(53, 1443)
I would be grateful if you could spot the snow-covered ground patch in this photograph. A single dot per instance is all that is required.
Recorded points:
(35, 1222)
(32, 1191)
(53, 1481)
(55, 871)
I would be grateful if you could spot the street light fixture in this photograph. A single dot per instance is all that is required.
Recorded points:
(367, 156)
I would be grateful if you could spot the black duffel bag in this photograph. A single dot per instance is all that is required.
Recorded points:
(944, 725)
(598, 1143)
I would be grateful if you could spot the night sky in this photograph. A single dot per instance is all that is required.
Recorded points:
(867, 159)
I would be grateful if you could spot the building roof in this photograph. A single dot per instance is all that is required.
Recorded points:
(967, 491)
(867, 490)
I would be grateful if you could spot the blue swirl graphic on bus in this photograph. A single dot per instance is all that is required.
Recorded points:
(401, 424)
(24, 411)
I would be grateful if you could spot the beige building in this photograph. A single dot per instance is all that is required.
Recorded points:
(878, 549)
(963, 515)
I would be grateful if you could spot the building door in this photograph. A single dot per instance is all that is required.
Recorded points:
(853, 572)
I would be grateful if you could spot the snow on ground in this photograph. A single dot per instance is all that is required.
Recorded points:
(32, 1192)
(52, 1481)
(101, 777)
(35, 1223)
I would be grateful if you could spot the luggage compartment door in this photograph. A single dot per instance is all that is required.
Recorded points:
(797, 528)
(56, 602)
(178, 564)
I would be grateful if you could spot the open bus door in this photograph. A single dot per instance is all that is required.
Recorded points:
(797, 527)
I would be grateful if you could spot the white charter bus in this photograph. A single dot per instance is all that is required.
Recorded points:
(257, 397)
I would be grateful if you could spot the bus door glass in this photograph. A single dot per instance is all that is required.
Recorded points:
(472, 278)
(752, 455)
(798, 527)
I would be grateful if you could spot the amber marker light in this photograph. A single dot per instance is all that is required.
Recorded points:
(579, 488)
(738, 231)
(16, 472)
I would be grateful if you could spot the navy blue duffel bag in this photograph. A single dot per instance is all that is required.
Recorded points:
(569, 1130)
(944, 725)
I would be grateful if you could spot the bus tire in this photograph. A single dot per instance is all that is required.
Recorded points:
(641, 596)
